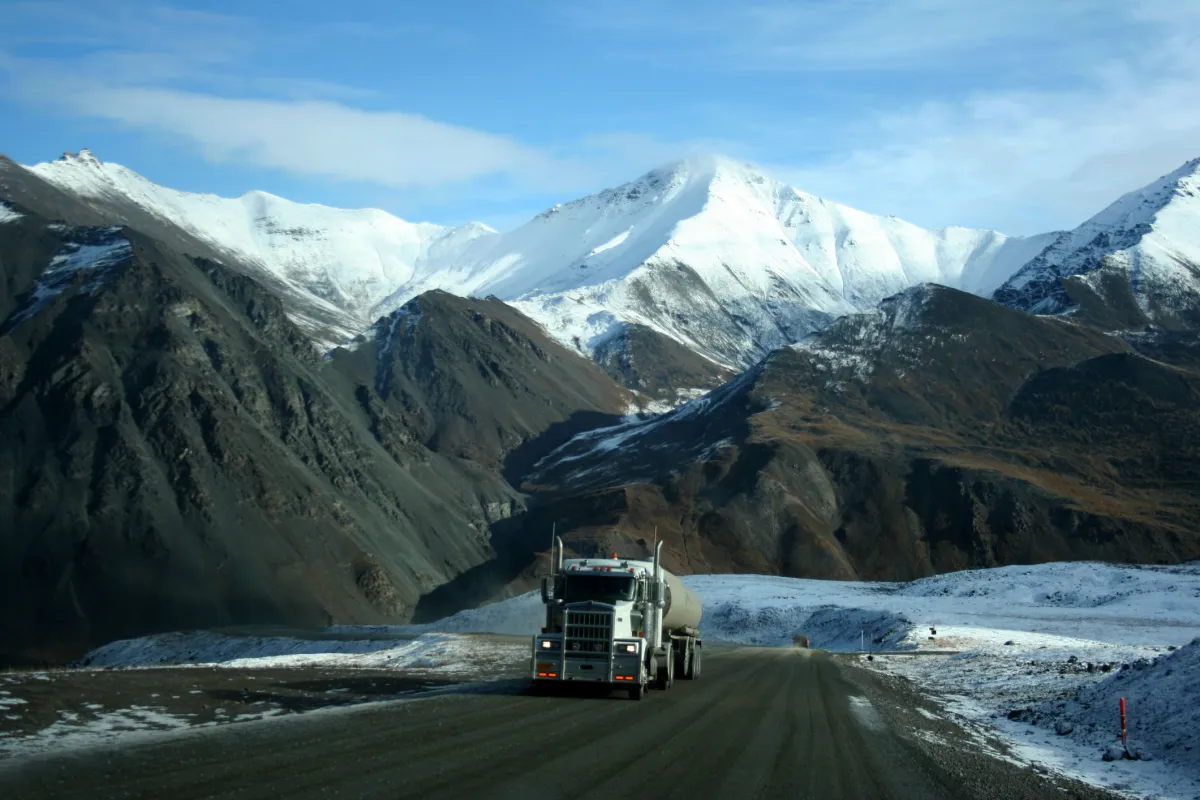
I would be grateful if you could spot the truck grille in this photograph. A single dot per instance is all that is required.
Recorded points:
(588, 633)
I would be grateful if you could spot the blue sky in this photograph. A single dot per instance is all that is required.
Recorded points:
(1022, 115)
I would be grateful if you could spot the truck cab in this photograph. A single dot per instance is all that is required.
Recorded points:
(595, 624)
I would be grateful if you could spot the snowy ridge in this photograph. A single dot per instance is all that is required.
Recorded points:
(1151, 234)
(716, 255)
(351, 259)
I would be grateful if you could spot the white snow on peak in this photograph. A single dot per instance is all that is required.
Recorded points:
(350, 258)
(1152, 234)
(718, 256)
(708, 251)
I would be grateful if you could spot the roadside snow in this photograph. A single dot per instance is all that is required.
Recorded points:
(437, 653)
(1163, 700)
(1046, 643)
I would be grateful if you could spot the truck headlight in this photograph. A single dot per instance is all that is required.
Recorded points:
(546, 644)
(629, 648)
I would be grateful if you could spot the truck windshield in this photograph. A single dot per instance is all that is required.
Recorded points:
(601, 588)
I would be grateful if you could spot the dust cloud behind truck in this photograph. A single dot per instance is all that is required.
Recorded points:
(620, 622)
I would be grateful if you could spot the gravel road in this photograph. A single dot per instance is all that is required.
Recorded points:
(759, 723)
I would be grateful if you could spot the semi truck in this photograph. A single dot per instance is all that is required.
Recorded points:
(625, 623)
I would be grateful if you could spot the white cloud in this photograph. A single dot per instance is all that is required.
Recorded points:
(1029, 37)
(1027, 114)
(321, 138)
(1024, 161)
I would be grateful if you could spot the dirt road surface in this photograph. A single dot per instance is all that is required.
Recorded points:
(760, 723)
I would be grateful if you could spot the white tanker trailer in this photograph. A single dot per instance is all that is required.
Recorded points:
(616, 621)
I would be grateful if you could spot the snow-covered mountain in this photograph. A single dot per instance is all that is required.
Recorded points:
(1149, 239)
(349, 259)
(708, 252)
(718, 256)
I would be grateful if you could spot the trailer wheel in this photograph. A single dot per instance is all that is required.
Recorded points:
(637, 692)
(687, 666)
(697, 662)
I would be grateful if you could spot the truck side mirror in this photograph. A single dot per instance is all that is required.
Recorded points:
(547, 591)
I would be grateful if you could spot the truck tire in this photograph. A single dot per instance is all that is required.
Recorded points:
(697, 662)
(662, 678)
(666, 672)
(637, 692)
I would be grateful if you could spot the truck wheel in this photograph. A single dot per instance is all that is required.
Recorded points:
(697, 662)
(637, 692)
(666, 673)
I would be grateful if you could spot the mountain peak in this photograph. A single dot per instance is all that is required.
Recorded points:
(84, 157)
(1141, 204)
(1147, 236)
(709, 168)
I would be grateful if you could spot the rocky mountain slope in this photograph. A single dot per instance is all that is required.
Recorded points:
(476, 378)
(1135, 263)
(176, 454)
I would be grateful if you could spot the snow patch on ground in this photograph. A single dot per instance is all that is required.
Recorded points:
(440, 653)
(129, 726)
(865, 713)
(7, 214)
(1163, 702)
(97, 259)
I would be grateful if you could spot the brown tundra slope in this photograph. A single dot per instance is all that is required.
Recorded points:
(939, 432)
